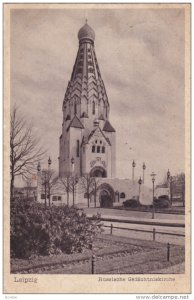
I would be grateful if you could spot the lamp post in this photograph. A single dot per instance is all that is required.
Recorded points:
(133, 170)
(44, 182)
(38, 167)
(75, 181)
(49, 174)
(143, 167)
(140, 182)
(170, 180)
(153, 180)
(73, 187)
(72, 165)
(95, 191)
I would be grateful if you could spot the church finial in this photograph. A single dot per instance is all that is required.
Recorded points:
(86, 17)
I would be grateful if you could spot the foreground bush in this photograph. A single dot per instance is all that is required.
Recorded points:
(162, 202)
(131, 203)
(39, 231)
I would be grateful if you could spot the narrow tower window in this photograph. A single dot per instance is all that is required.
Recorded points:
(93, 108)
(106, 112)
(93, 148)
(77, 149)
(98, 149)
(75, 108)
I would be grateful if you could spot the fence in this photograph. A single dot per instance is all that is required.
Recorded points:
(154, 232)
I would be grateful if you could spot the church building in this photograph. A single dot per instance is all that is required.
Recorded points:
(87, 145)
(87, 134)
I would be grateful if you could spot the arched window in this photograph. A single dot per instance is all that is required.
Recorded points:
(75, 108)
(103, 149)
(122, 195)
(98, 149)
(93, 108)
(93, 148)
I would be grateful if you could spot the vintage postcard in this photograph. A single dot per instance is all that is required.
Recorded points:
(97, 148)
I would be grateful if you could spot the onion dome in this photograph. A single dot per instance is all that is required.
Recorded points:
(86, 32)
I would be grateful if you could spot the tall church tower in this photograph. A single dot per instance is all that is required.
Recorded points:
(87, 135)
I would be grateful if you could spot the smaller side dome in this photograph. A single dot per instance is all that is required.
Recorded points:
(86, 32)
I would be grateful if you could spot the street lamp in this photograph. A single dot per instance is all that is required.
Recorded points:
(153, 180)
(133, 170)
(49, 175)
(38, 167)
(45, 181)
(170, 180)
(72, 164)
(49, 161)
(168, 175)
(73, 183)
(144, 167)
(140, 182)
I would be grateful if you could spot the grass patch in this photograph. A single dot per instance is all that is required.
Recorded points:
(114, 255)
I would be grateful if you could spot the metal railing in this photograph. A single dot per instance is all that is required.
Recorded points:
(154, 232)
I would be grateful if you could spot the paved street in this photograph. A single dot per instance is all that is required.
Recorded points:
(177, 240)
(132, 214)
(160, 218)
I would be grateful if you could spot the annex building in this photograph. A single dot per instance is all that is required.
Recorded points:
(87, 144)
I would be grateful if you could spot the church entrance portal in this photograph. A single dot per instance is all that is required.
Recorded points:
(106, 195)
(98, 172)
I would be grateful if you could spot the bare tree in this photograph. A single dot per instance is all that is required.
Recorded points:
(69, 184)
(24, 148)
(48, 182)
(96, 185)
(89, 186)
(66, 184)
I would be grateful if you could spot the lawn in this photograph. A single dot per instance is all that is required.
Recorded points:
(114, 255)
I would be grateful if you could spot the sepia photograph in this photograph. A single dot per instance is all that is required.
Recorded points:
(97, 148)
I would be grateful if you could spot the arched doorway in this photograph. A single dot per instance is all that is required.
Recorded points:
(106, 195)
(98, 172)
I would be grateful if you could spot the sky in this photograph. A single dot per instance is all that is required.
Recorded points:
(140, 53)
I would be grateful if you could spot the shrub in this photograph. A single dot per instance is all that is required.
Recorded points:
(131, 203)
(39, 231)
(161, 202)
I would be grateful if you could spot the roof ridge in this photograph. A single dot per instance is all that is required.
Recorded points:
(76, 123)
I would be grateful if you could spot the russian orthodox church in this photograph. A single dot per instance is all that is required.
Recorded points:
(87, 134)
(87, 145)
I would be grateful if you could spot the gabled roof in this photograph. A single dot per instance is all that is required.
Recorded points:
(92, 133)
(101, 117)
(76, 123)
(108, 127)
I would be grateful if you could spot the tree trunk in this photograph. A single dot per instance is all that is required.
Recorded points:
(95, 196)
(68, 198)
(45, 196)
(12, 187)
(88, 199)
